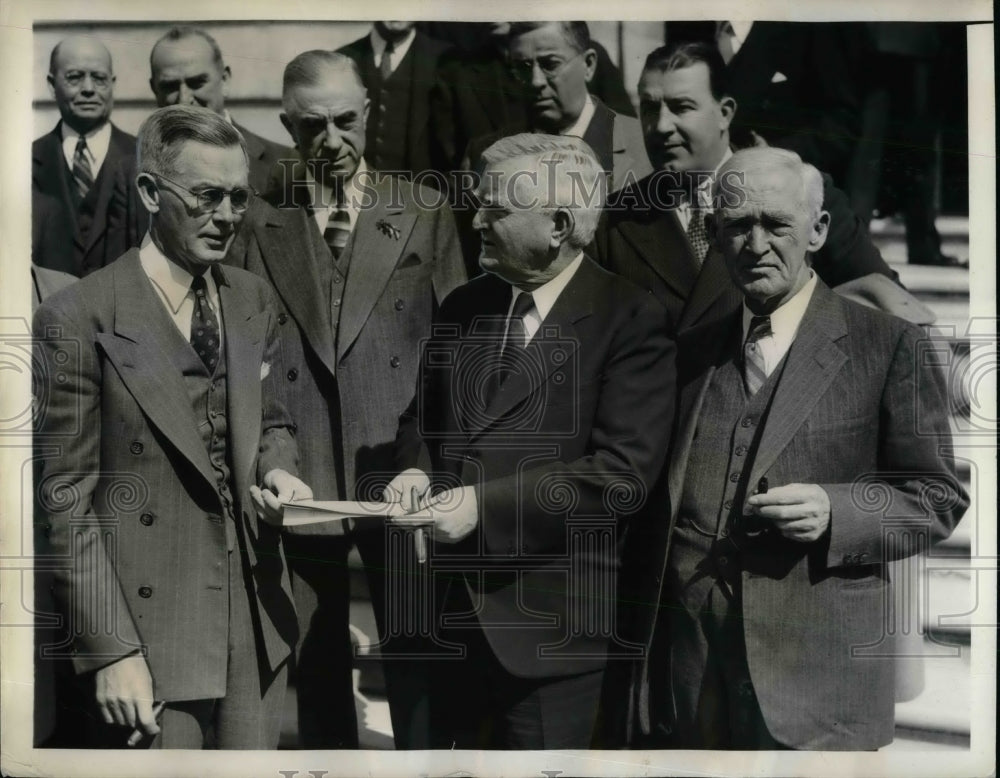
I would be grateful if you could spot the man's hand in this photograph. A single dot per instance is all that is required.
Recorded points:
(454, 514)
(279, 486)
(798, 511)
(400, 489)
(125, 695)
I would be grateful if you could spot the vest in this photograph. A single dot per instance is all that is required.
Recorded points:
(389, 118)
(84, 208)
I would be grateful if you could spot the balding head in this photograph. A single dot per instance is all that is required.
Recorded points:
(325, 108)
(81, 80)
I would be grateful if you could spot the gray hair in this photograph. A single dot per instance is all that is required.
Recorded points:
(164, 132)
(309, 67)
(578, 182)
(182, 32)
(771, 157)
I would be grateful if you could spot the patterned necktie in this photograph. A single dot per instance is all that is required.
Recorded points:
(696, 234)
(204, 325)
(338, 230)
(754, 372)
(83, 176)
(385, 64)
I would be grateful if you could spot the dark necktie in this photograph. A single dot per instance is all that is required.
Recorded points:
(696, 234)
(754, 373)
(513, 344)
(338, 230)
(385, 64)
(204, 325)
(83, 176)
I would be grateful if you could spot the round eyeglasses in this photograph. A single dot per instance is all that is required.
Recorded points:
(209, 200)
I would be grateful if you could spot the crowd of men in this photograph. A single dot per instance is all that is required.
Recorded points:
(642, 442)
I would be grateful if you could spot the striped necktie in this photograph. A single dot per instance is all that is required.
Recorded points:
(83, 176)
(385, 64)
(338, 230)
(754, 371)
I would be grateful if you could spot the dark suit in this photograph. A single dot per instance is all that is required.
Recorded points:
(643, 241)
(420, 65)
(842, 415)
(591, 419)
(131, 498)
(350, 367)
(96, 245)
(264, 156)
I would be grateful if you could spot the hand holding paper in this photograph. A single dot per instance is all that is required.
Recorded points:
(280, 487)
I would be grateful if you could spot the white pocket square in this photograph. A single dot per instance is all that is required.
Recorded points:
(778, 77)
(265, 370)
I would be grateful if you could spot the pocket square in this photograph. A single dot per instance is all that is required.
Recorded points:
(265, 370)
(778, 77)
(410, 260)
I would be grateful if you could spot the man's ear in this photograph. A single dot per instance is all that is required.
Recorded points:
(287, 124)
(149, 192)
(563, 224)
(590, 63)
(226, 75)
(727, 107)
(51, 79)
(818, 232)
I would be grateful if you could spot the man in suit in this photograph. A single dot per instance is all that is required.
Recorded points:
(654, 233)
(811, 431)
(157, 416)
(398, 66)
(76, 164)
(359, 263)
(547, 386)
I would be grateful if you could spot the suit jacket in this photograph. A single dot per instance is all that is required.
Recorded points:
(51, 176)
(579, 436)
(346, 395)
(126, 488)
(264, 156)
(46, 282)
(643, 241)
(861, 411)
(425, 53)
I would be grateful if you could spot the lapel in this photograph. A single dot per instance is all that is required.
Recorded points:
(245, 330)
(574, 304)
(53, 176)
(140, 354)
(290, 250)
(374, 256)
(118, 148)
(713, 282)
(811, 365)
(600, 135)
(255, 149)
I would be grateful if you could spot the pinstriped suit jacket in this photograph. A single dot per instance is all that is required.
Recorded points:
(126, 488)
(860, 411)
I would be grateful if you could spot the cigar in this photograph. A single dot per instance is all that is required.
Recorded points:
(138, 734)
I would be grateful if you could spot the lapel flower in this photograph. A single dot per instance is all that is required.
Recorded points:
(389, 230)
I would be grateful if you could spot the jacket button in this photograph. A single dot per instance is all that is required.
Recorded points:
(723, 561)
(848, 559)
(727, 504)
(398, 305)
(293, 374)
(336, 303)
(394, 361)
(145, 592)
(146, 518)
(282, 318)
(747, 422)
(136, 447)
(734, 477)
(741, 450)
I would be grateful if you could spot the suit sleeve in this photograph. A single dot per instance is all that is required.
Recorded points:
(67, 392)
(849, 251)
(449, 266)
(278, 449)
(916, 487)
(630, 430)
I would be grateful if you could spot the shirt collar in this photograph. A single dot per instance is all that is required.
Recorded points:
(379, 43)
(741, 29)
(579, 127)
(173, 281)
(98, 140)
(785, 319)
(546, 295)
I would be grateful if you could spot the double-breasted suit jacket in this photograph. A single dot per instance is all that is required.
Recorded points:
(126, 488)
(51, 176)
(574, 439)
(860, 410)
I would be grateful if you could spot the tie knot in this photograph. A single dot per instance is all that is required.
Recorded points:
(523, 304)
(81, 144)
(760, 327)
(390, 47)
(198, 285)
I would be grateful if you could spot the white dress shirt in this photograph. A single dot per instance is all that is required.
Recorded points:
(173, 286)
(704, 194)
(579, 127)
(354, 196)
(379, 43)
(785, 321)
(545, 297)
(98, 142)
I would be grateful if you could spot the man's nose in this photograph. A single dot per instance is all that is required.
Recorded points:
(185, 95)
(478, 221)
(538, 79)
(225, 214)
(333, 139)
(665, 121)
(88, 86)
(757, 241)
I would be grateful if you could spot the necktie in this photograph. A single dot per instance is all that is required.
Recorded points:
(696, 234)
(754, 372)
(83, 176)
(338, 230)
(385, 64)
(515, 340)
(725, 38)
(204, 325)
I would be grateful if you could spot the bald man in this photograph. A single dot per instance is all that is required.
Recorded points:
(76, 164)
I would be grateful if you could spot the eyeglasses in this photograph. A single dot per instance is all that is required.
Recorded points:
(76, 77)
(551, 66)
(209, 200)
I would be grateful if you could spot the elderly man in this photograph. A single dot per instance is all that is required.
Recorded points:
(794, 412)
(359, 263)
(546, 398)
(655, 234)
(157, 416)
(74, 167)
